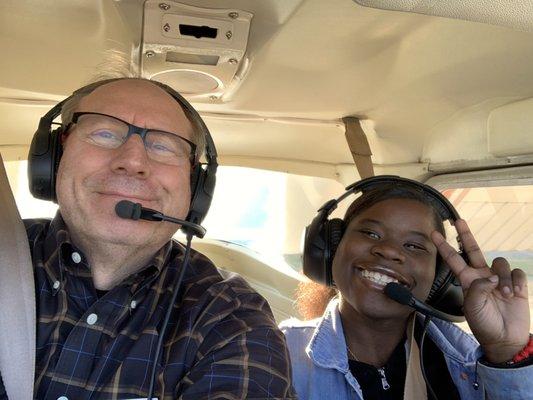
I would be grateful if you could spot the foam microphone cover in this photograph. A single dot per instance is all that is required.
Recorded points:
(128, 210)
(398, 293)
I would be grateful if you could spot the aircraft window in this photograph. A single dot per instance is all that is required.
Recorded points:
(28, 206)
(500, 218)
(267, 211)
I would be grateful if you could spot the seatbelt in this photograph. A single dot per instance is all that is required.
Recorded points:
(359, 147)
(17, 299)
(415, 385)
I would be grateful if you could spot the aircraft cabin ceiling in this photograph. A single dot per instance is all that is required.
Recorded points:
(274, 78)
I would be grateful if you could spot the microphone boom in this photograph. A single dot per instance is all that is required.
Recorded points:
(402, 295)
(129, 210)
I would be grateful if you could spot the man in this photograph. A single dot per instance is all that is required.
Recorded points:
(104, 283)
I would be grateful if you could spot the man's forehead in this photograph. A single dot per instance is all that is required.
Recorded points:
(123, 89)
(135, 98)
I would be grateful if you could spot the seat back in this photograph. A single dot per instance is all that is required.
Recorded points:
(17, 299)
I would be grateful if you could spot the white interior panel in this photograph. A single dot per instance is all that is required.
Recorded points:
(510, 129)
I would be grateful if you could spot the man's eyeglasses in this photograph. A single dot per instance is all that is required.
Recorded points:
(110, 132)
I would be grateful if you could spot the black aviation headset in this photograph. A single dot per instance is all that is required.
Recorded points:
(46, 150)
(323, 236)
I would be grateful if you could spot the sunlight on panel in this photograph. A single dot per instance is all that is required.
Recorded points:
(29, 207)
(266, 211)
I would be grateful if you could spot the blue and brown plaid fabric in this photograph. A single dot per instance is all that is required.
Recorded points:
(222, 341)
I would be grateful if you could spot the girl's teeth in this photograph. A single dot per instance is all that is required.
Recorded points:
(378, 277)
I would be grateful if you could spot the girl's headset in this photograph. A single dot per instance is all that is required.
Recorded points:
(323, 236)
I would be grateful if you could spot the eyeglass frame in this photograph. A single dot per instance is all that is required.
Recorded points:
(133, 130)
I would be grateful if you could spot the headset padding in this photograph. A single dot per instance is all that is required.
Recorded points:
(446, 293)
(335, 232)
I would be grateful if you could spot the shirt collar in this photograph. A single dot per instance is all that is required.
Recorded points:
(151, 271)
(327, 347)
(58, 251)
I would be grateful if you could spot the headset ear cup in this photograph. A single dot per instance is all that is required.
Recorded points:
(197, 178)
(441, 277)
(446, 293)
(43, 161)
(57, 153)
(335, 230)
(203, 183)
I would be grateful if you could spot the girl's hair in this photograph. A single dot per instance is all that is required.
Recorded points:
(312, 298)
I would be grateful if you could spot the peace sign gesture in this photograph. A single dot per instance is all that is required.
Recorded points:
(496, 303)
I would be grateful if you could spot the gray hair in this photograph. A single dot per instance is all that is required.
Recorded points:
(117, 67)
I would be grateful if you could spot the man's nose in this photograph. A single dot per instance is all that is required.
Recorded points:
(131, 158)
(389, 251)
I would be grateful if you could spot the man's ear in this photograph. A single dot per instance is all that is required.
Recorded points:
(63, 135)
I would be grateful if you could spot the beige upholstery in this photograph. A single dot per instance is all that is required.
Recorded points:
(511, 13)
(17, 299)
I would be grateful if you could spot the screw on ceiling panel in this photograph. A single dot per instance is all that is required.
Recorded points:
(233, 15)
(166, 27)
(213, 98)
(149, 54)
(233, 61)
(229, 34)
(164, 6)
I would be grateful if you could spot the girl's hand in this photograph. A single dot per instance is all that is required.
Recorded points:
(496, 303)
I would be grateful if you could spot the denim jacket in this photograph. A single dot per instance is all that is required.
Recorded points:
(320, 362)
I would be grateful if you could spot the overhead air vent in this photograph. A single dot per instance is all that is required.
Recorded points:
(199, 52)
(198, 31)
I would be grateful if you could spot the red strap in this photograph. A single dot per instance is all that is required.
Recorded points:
(526, 352)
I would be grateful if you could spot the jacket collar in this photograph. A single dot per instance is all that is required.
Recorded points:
(327, 347)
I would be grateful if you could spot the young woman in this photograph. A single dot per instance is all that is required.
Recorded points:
(367, 346)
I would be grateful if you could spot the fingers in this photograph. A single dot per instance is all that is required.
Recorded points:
(448, 253)
(511, 283)
(502, 269)
(470, 246)
(519, 278)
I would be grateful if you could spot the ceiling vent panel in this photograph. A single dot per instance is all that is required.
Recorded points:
(200, 52)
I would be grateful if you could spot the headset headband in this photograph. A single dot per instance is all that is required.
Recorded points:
(441, 203)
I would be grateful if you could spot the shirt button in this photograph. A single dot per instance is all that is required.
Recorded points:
(62, 398)
(92, 318)
(133, 304)
(76, 257)
(56, 285)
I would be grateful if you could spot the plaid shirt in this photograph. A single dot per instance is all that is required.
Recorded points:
(221, 342)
